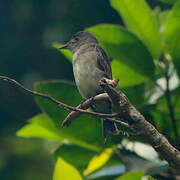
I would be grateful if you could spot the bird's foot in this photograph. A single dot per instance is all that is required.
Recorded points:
(112, 82)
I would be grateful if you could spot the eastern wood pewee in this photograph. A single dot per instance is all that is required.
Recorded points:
(90, 64)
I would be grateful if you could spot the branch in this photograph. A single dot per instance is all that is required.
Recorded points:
(126, 111)
(76, 111)
(85, 105)
(141, 126)
(58, 102)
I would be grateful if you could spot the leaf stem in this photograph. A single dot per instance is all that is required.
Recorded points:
(171, 107)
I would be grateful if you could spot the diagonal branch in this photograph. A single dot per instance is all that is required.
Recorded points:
(137, 121)
(85, 105)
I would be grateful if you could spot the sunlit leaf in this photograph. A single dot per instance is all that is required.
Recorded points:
(163, 16)
(98, 161)
(171, 34)
(128, 76)
(41, 126)
(65, 171)
(124, 47)
(136, 175)
(140, 20)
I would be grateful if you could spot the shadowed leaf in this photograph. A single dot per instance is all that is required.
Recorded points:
(124, 47)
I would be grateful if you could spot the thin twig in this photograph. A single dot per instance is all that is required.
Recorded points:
(58, 102)
(131, 131)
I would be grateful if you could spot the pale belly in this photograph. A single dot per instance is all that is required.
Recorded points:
(87, 78)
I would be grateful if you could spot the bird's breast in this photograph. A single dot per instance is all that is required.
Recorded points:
(87, 75)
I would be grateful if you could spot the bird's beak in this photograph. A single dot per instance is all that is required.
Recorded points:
(64, 46)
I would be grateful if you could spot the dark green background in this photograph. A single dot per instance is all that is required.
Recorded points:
(27, 30)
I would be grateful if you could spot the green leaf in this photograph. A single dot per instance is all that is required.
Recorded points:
(128, 76)
(124, 47)
(41, 126)
(139, 19)
(163, 123)
(140, 91)
(161, 114)
(161, 16)
(136, 175)
(68, 54)
(81, 158)
(85, 128)
(171, 35)
(84, 156)
(98, 161)
(65, 171)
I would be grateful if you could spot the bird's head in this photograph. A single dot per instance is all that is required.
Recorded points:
(79, 39)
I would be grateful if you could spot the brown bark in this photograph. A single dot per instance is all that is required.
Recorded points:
(126, 111)
(137, 121)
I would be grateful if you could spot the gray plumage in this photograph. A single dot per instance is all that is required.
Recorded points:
(90, 64)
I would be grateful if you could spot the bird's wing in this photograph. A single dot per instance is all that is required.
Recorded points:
(103, 62)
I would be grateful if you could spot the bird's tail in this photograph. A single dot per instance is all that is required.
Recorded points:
(109, 127)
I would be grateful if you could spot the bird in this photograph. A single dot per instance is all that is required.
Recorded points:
(90, 65)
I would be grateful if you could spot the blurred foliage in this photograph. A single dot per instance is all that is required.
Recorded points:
(65, 171)
(143, 43)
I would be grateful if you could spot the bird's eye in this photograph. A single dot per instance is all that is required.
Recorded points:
(76, 38)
